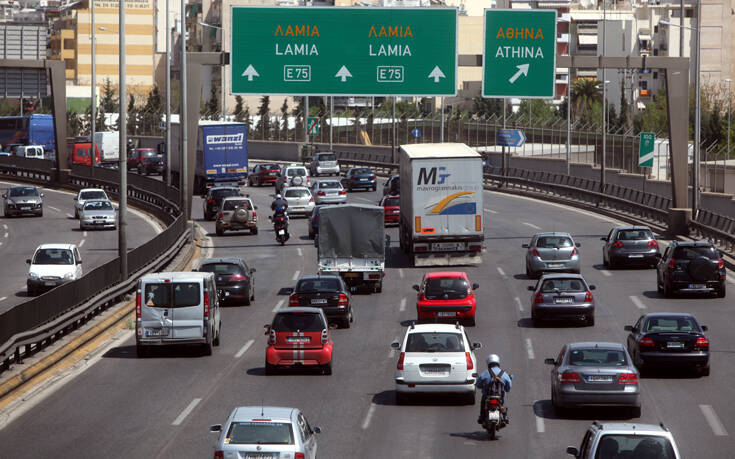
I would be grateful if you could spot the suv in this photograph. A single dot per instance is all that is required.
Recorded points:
(626, 440)
(691, 267)
(212, 201)
(436, 358)
(292, 176)
(628, 245)
(324, 163)
(23, 199)
(53, 265)
(327, 293)
(237, 213)
(297, 338)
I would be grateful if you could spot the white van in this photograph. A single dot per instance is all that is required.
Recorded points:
(108, 144)
(177, 308)
(30, 151)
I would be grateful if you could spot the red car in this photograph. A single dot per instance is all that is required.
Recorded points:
(392, 207)
(446, 295)
(264, 174)
(299, 338)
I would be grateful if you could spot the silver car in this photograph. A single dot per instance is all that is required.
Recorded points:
(630, 245)
(329, 192)
(551, 252)
(324, 163)
(23, 199)
(562, 297)
(266, 432)
(300, 201)
(98, 215)
(594, 374)
(88, 194)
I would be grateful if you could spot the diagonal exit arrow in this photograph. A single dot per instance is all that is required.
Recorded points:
(522, 69)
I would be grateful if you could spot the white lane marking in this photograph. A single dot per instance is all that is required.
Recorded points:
(500, 271)
(731, 280)
(6, 234)
(392, 352)
(520, 305)
(54, 208)
(637, 302)
(531, 225)
(403, 303)
(298, 249)
(70, 215)
(529, 348)
(186, 412)
(296, 275)
(368, 417)
(566, 207)
(540, 427)
(3, 298)
(400, 271)
(244, 349)
(85, 233)
(713, 420)
(6, 226)
(491, 211)
(81, 243)
(605, 272)
(278, 306)
(153, 222)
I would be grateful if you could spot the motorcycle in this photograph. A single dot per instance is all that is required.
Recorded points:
(496, 415)
(280, 226)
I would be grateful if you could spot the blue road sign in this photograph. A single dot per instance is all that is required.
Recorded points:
(510, 137)
(416, 133)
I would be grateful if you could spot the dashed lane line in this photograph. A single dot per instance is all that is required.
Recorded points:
(490, 211)
(540, 427)
(519, 303)
(296, 275)
(5, 227)
(605, 272)
(403, 305)
(85, 233)
(298, 249)
(244, 349)
(529, 349)
(70, 216)
(637, 302)
(713, 420)
(500, 271)
(81, 243)
(3, 298)
(368, 417)
(392, 352)
(54, 208)
(6, 234)
(400, 272)
(278, 305)
(186, 412)
(531, 225)
(731, 280)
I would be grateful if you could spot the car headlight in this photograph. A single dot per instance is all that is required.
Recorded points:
(32, 275)
(38, 206)
(69, 276)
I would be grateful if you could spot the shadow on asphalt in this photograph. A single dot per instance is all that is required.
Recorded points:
(479, 435)
(523, 277)
(388, 398)
(653, 294)
(285, 291)
(526, 322)
(544, 409)
(670, 373)
(260, 371)
(171, 352)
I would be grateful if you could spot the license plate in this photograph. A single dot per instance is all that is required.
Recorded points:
(24, 207)
(675, 345)
(493, 416)
(446, 314)
(49, 284)
(635, 255)
(447, 246)
(319, 301)
(434, 371)
(352, 274)
(363, 180)
(555, 265)
(298, 340)
(281, 232)
(563, 300)
(158, 332)
(259, 456)
(599, 378)
(697, 286)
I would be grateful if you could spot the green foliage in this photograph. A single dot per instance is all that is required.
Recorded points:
(284, 117)
(487, 107)
(585, 94)
(212, 110)
(239, 115)
(263, 127)
(108, 101)
(540, 110)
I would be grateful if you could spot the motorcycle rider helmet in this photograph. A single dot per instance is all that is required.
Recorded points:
(493, 359)
(278, 196)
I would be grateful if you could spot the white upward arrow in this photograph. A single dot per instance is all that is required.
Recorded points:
(343, 73)
(436, 74)
(522, 69)
(250, 72)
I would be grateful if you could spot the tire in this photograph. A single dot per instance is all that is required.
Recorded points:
(216, 339)
(611, 263)
(470, 322)
(254, 231)
(247, 301)
(327, 369)
(401, 398)
(345, 322)
(635, 412)
(30, 291)
(375, 188)
(469, 399)
(219, 231)
(491, 432)
(379, 287)
(704, 371)
(207, 216)
(270, 369)
(605, 263)
(528, 272)
(667, 290)
(590, 319)
(76, 213)
(311, 235)
(141, 351)
(40, 214)
(535, 321)
(207, 348)
(720, 292)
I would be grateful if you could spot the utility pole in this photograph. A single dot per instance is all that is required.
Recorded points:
(698, 117)
(94, 92)
(122, 242)
(604, 100)
(168, 94)
(183, 119)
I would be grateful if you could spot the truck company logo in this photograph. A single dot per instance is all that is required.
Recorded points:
(227, 138)
(426, 178)
(461, 203)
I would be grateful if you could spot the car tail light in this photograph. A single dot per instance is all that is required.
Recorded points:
(219, 455)
(646, 342)
(401, 358)
(210, 201)
(470, 365)
(255, 215)
(373, 276)
(137, 305)
(702, 343)
(206, 304)
(343, 301)
(420, 248)
(539, 298)
(343, 192)
(272, 337)
(311, 199)
(628, 378)
(575, 252)
(475, 248)
(653, 243)
(672, 263)
(221, 215)
(372, 177)
(535, 253)
(321, 193)
(588, 297)
(352, 179)
(238, 278)
(720, 263)
(293, 300)
(299, 456)
(617, 244)
(570, 377)
(325, 336)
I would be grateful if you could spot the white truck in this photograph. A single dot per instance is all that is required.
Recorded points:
(108, 143)
(442, 221)
(351, 243)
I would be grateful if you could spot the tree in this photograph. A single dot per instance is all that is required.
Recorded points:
(623, 121)
(239, 115)
(298, 113)
(654, 117)
(73, 124)
(133, 116)
(108, 101)
(487, 107)
(284, 117)
(540, 111)
(263, 127)
(213, 108)
(585, 93)
(152, 112)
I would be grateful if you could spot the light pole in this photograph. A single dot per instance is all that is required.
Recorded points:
(604, 98)
(729, 99)
(184, 169)
(168, 94)
(222, 70)
(122, 242)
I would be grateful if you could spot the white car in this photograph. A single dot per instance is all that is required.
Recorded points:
(88, 194)
(329, 192)
(53, 265)
(292, 175)
(300, 201)
(436, 358)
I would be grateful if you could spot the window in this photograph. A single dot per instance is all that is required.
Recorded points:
(553, 242)
(53, 257)
(184, 294)
(692, 252)
(643, 446)
(89, 195)
(361, 171)
(98, 205)
(230, 204)
(305, 322)
(300, 171)
(261, 433)
(390, 202)
(446, 288)
(326, 184)
(597, 357)
(223, 193)
(23, 191)
(671, 324)
(563, 285)
(221, 268)
(634, 235)
(297, 193)
(318, 285)
(643, 84)
(434, 342)
(327, 157)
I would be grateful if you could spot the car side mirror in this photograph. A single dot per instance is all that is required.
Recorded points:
(572, 450)
(592, 287)
(577, 244)
(317, 430)
(416, 287)
(475, 286)
(705, 328)
(476, 346)
(332, 326)
(75, 198)
(267, 328)
(531, 288)
(628, 328)
(395, 345)
(252, 270)
(525, 246)
(28, 260)
(549, 361)
(215, 428)
(603, 239)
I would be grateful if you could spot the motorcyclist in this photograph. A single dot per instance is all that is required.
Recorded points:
(483, 382)
(279, 202)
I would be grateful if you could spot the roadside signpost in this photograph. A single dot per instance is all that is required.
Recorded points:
(510, 137)
(344, 51)
(416, 133)
(312, 126)
(519, 59)
(645, 149)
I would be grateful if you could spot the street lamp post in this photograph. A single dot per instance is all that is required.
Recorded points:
(168, 94)
(222, 70)
(729, 99)
(93, 112)
(122, 241)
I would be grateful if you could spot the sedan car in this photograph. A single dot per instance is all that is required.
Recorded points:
(98, 215)
(23, 199)
(392, 187)
(88, 194)
(300, 201)
(299, 338)
(630, 245)
(594, 374)
(328, 293)
(360, 178)
(324, 163)
(314, 222)
(212, 201)
(151, 165)
(266, 432)
(233, 277)
(264, 174)
(669, 340)
(692, 267)
(328, 192)
(446, 295)
(551, 252)
(436, 358)
(562, 297)
(391, 209)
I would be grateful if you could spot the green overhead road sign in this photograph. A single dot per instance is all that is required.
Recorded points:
(312, 126)
(344, 51)
(519, 59)
(645, 149)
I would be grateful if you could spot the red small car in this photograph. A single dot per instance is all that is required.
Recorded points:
(392, 209)
(264, 174)
(446, 296)
(299, 338)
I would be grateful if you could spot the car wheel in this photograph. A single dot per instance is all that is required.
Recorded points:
(219, 231)
(40, 214)
(270, 369)
(635, 412)
(141, 351)
(375, 188)
(311, 235)
(327, 369)
(31, 291)
(667, 290)
(76, 213)
(247, 300)
(469, 398)
(207, 348)
(345, 322)
(207, 216)
(590, 319)
(535, 321)
(721, 291)
(254, 231)
(216, 339)
(528, 272)
(605, 263)
(470, 322)
(704, 371)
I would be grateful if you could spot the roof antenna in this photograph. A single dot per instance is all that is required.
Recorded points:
(261, 408)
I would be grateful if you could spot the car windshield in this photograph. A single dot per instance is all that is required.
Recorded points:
(613, 446)
(303, 321)
(220, 268)
(634, 235)
(225, 192)
(159, 295)
(327, 157)
(597, 358)
(294, 172)
(23, 191)
(270, 167)
(692, 252)
(392, 202)
(553, 242)
(153, 159)
(260, 433)
(671, 324)
(144, 153)
(87, 195)
(326, 184)
(53, 257)
(318, 285)
(297, 193)
(434, 342)
(563, 285)
(98, 205)
(230, 204)
(445, 288)
(362, 171)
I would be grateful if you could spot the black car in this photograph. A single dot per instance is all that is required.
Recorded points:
(393, 186)
(359, 178)
(669, 340)
(151, 165)
(691, 267)
(213, 199)
(314, 222)
(326, 292)
(233, 278)
(626, 245)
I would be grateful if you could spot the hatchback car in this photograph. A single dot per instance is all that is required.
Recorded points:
(391, 209)
(237, 213)
(266, 432)
(264, 174)
(562, 297)
(669, 340)
(360, 178)
(51, 266)
(328, 192)
(136, 155)
(621, 440)
(392, 187)
(299, 338)
(436, 358)
(446, 295)
(235, 280)
(98, 215)
(551, 252)
(692, 267)
(626, 245)
(327, 293)
(324, 163)
(212, 201)
(23, 199)
(151, 165)
(88, 194)
(314, 222)
(300, 201)
(594, 374)
(292, 176)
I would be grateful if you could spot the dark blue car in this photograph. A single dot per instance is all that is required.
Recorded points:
(314, 222)
(360, 178)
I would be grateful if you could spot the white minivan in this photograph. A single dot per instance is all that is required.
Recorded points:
(177, 308)
(30, 151)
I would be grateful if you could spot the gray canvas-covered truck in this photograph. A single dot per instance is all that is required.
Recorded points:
(351, 243)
